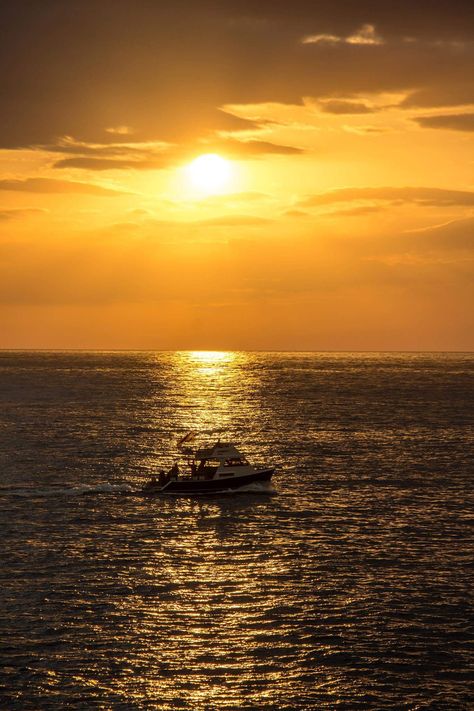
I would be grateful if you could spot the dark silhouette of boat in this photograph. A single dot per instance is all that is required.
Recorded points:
(217, 469)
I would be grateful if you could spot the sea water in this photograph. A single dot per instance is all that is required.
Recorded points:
(348, 587)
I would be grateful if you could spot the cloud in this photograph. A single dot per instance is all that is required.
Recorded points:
(50, 185)
(132, 149)
(364, 130)
(365, 35)
(18, 213)
(431, 197)
(343, 106)
(120, 130)
(427, 18)
(453, 122)
(237, 52)
(448, 246)
(455, 235)
(243, 149)
(360, 211)
(146, 155)
(296, 213)
(155, 155)
(458, 92)
(87, 163)
(148, 226)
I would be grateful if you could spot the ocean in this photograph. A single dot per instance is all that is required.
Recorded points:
(346, 587)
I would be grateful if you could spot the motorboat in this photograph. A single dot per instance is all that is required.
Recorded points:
(216, 469)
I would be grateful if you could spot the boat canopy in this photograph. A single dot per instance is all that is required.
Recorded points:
(220, 451)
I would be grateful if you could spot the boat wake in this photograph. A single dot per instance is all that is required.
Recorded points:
(72, 490)
(256, 487)
(29, 491)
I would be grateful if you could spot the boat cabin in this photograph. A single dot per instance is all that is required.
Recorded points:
(218, 461)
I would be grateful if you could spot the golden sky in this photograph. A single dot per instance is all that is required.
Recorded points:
(333, 208)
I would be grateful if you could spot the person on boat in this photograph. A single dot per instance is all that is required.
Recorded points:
(174, 471)
(151, 484)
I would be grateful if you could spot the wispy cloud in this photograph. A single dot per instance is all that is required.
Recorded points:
(249, 148)
(359, 211)
(90, 163)
(120, 130)
(365, 35)
(157, 155)
(148, 226)
(145, 155)
(296, 213)
(19, 213)
(50, 185)
(432, 197)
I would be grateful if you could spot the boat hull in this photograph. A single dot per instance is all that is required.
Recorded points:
(212, 486)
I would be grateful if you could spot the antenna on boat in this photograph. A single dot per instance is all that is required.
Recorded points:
(187, 439)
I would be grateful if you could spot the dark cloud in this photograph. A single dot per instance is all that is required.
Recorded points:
(49, 185)
(453, 122)
(164, 69)
(340, 106)
(137, 150)
(458, 92)
(251, 148)
(114, 156)
(87, 163)
(431, 197)
(429, 19)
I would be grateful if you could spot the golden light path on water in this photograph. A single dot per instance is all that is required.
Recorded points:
(211, 388)
(215, 603)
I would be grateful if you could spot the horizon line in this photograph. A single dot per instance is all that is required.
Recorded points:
(226, 350)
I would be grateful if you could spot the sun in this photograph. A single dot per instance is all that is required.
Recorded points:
(210, 173)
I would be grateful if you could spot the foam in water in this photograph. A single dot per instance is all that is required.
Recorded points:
(79, 490)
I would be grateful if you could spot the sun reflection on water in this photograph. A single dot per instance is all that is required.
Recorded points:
(208, 595)
(210, 386)
(210, 362)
